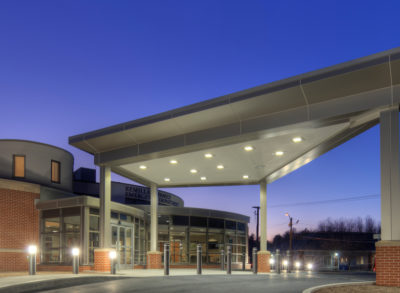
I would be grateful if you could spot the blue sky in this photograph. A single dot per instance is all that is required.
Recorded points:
(68, 67)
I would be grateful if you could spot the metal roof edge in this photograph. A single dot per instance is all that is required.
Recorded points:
(348, 66)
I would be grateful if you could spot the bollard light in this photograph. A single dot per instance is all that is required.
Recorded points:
(32, 249)
(199, 260)
(297, 264)
(285, 263)
(166, 259)
(113, 256)
(309, 266)
(271, 261)
(75, 251)
(75, 260)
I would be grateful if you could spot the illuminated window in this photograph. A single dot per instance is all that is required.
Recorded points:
(19, 166)
(55, 171)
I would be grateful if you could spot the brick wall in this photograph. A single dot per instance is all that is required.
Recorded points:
(388, 263)
(19, 223)
(154, 260)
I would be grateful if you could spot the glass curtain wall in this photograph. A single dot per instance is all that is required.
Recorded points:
(94, 230)
(184, 233)
(60, 232)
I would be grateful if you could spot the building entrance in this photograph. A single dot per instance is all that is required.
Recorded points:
(121, 237)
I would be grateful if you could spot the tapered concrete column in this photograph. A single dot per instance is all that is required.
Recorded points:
(263, 216)
(263, 255)
(153, 217)
(390, 175)
(105, 207)
(388, 249)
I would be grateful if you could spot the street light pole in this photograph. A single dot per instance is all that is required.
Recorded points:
(258, 216)
(290, 239)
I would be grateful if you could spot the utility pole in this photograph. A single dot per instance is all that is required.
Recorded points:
(290, 240)
(257, 212)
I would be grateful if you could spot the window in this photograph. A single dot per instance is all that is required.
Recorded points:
(180, 220)
(198, 221)
(55, 171)
(19, 166)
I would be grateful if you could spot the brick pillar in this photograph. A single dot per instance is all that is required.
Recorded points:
(102, 262)
(388, 263)
(263, 261)
(154, 260)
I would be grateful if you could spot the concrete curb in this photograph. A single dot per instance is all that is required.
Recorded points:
(314, 289)
(40, 285)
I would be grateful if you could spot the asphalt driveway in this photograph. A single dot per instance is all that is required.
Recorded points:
(285, 283)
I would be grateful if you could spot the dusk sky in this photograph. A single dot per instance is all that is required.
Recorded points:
(68, 67)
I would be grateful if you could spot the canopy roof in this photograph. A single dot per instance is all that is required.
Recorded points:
(322, 109)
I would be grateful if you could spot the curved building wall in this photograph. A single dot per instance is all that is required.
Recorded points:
(85, 184)
(38, 163)
(185, 228)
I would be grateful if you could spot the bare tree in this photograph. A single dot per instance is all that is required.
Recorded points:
(349, 225)
(370, 226)
(359, 225)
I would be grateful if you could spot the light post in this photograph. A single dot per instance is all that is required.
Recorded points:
(32, 249)
(113, 257)
(75, 260)
(257, 212)
(290, 239)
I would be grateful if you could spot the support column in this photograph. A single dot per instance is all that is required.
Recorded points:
(388, 249)
(101, 255)
(263, 254)
(85, 218)
(154, 255)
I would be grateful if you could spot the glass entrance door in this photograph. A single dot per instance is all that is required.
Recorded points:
(121, 238)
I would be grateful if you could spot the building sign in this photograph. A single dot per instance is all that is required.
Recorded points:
(141, 195)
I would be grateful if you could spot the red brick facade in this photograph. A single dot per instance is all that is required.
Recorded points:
(263, 262)
(388, 263)
(102, 262)
(19, 223)
(154, 260)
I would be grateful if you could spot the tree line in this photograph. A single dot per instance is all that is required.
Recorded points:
(345, 233)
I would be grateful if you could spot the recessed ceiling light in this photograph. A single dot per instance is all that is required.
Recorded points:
(297, 139)
(193, 171)
(143, 167)
(220, 167)
(245, 176)
(203, 178)
(279, 153)
(173, 162)
(248, 148)
(167, 179)
(208, 155)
